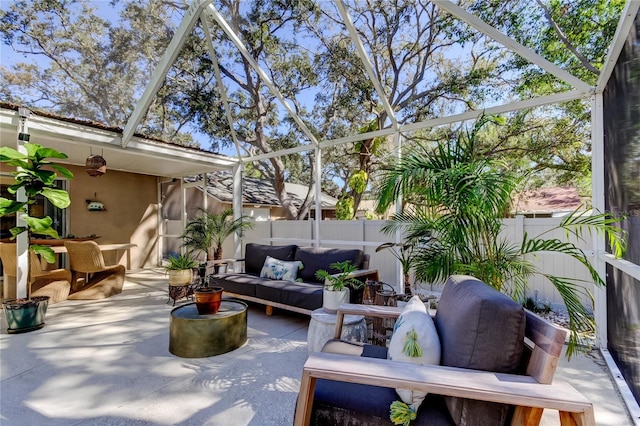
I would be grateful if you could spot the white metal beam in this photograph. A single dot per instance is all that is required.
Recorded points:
(169, 57)
(500, 109)
(598, 199)
(627, 18)
(221, 88)
(364, 57)
(469, 115)
(263, 75)
(513, 45)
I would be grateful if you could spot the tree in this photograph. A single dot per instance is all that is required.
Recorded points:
(89, 68)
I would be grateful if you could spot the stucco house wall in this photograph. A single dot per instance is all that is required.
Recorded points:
(131, 203)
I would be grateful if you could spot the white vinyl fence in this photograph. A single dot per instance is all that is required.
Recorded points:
(366, 235)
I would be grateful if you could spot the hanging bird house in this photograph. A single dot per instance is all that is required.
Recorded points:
(96, 165)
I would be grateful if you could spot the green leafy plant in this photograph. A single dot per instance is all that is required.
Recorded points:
(342, 279)
(458, 199)
(180, 262)
(34, 177)
(207, 232)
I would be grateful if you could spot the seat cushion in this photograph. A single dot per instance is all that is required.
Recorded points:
(302, 295)
(479, 328)
(351, 404)
(255, 255)
(238, 283)
(314, 259)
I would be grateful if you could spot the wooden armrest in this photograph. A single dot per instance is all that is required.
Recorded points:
(479, 385)
(365, 310)
(366, 273)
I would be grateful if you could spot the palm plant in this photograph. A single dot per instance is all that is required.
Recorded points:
(456, 200)
(404, 253)
(207, 232)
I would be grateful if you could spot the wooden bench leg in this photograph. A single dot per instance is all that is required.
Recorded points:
(527, 416)
(305, 400)
(269, 310)
(586, 418)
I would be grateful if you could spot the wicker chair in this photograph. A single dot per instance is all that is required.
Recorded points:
(55, 283)
(98, 280)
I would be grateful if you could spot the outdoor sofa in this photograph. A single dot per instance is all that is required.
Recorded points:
(304, 293)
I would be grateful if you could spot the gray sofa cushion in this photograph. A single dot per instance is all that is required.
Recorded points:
(301, 295)
(255, 254)
(314, 259)
(479, 328)
(236, 283)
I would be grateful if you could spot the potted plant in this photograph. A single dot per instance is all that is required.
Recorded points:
(404, 253)
(34, 176)
(180, 269)
(456, 199)
(336, 286)
(207, 232)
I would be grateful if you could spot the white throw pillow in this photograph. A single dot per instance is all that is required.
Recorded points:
(414, 340)
(277, 269)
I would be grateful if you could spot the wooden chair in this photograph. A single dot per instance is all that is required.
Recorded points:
(54, 283)
(91, 278)
(530, 393)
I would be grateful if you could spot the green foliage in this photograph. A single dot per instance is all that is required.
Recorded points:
(342, 279)
(459, 199)
(344, 208)
(32, 176)
(207, 232)
(358, 181)
(180, 262)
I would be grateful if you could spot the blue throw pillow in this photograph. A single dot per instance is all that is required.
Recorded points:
(277, 269)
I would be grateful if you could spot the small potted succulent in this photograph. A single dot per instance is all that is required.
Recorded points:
(336, 286)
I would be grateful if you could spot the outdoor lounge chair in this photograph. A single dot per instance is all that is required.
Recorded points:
(55, 283)
(91, 278)
(489, 374)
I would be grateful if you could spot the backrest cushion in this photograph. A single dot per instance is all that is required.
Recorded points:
(314, 259)
(483, 329)
(255, 255)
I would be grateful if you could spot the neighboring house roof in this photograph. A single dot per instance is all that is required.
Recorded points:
(547, 200)
(256, 191)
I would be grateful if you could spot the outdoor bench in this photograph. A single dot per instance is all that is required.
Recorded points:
(302, 295)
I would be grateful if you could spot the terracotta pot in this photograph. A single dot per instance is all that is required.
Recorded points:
(208, 300)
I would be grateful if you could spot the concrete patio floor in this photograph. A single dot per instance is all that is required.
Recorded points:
(107, 362)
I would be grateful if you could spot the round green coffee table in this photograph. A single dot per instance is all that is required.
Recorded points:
(192, 335)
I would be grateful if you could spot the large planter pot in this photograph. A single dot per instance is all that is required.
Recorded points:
(25, 315)
(179, 277)
(332, 299)
(208, 300)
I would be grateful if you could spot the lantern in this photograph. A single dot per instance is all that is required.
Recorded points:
(96, 165)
